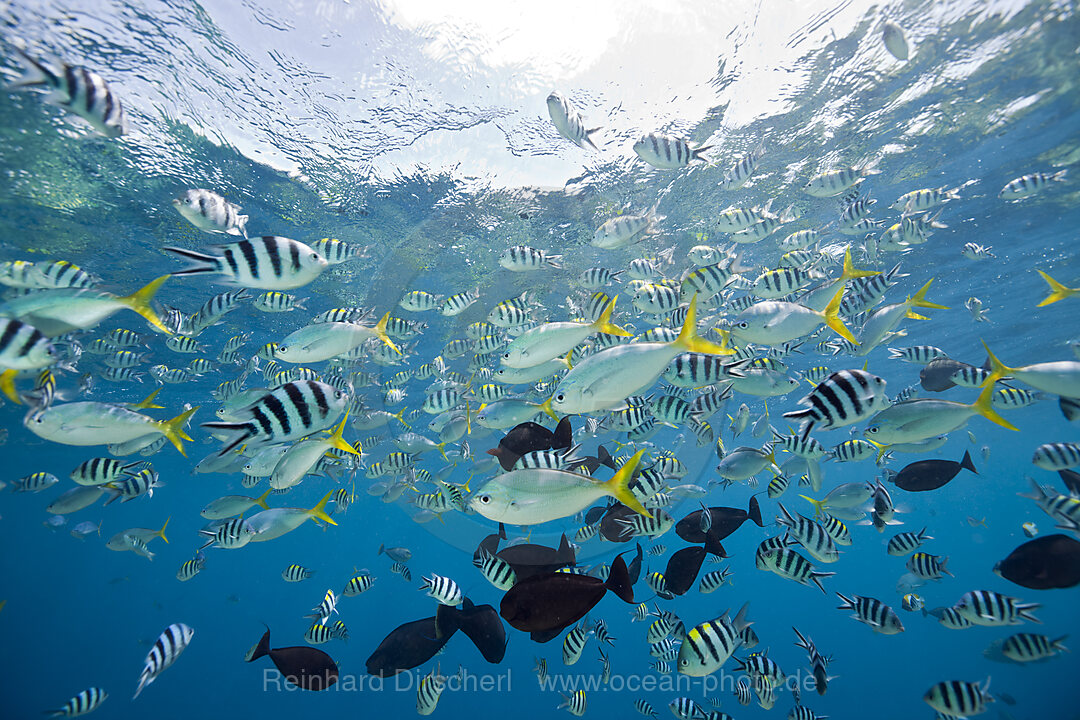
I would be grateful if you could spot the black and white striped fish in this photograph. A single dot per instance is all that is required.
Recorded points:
(737, 176)
(928, 567)
(1026, 647)
(497, 571)
(709, 645)
(879, 616)
(210, 212)
(85, 702)
(956, 698)
(296, 573)
(574, 644)
(359, 584)
(667, 152)
(269, 262)
(818, 662)
(986, 607)
(443, 589)
(428, 692)
(903, 543)
(597, 277)
(1028, 185)
(166, 650)
(793, 566)
(191, 568)
(713, 581)
(843, 398)
(643, 707)
(574, 703)
(810, 535)
(79, 90)
(686, 708)
(521, 258)
(24, 347)
(568, 121)
(216, 308)
(229, 535)
(917, 354)
(1057, 456)
(290, 412)
(336, 252)
(458, 303)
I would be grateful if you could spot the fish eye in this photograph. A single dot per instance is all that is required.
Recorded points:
(506, 355)
(484, 499)
(743, 325)
(871, 430)
(560, 397)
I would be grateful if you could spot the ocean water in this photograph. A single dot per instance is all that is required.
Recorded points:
(422, 134)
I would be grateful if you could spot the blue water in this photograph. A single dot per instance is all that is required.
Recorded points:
(988, 95)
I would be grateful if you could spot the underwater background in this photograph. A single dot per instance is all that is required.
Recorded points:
(422, 134)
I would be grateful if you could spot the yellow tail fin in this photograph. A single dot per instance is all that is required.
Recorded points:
(161, 533)
(1057, 290)
(998, 369)
(401, 419)
(261, 500)
(819, 505)
(380, 330)
(850, 272)
(831, 317)
(546, 407)
(337, 441)
(690, 341)
(919, 298)
(442, 450)
(985, 407)
(604, 324)
(174, 429)
(139, 301)
(619, 486)
(7, 384)
(319, 511)
(147, 404)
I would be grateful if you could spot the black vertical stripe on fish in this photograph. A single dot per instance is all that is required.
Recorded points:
(9, 334)
(34, 338)
(294, 256)
(275, 406)
(274, 253)
(250, 256)
(71, 79)
(299, 402)
(261, 418)
(91, 90)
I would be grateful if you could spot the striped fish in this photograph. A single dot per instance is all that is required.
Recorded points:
(428, 692)
(210, 212)
(85, 702)
(1028, 647)
(956, 698)
(985, 607)
(98, 471)
(793, 566)
(843, 398)
(191, 568)
(1057, 456)
(574, 644)
(269, 262)
(1028, 185)
(574, 703)
(666, 151)
(216, 308)
(78, 90)
(685, 708)
(818, 662)
(358, 584)
(568, 121)
(879, 616)
(597, 277)
(1008, 398)
(810, 535)
(713, 581)
(928, 567)
(497, 571)
(24, 347)
(743, 692)
(837, 530)
(336, 252)
(292, 411)
(708, 645)
(459, 302)
(229, 535)
(522, 258)
(443, 589)
(903, 543)
(779, 283)
(319, 633)
(296, 573)
(690, 370)
(274, 302)
(166, 650)
(644, 708)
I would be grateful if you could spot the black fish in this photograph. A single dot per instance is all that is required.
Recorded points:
(634, 568)
(413, 643)
(1070, 408)
(594, 514)
(725, 520)
(528, 560)
(546, 604)
(612, 529)
(1051, 561)
(682, 569)
(482, 625)
(529, 437)
(305, 667)
(592, 464)
(490, 544)
(712, 544)
(935, 374)
(927, 475)
(1071, 478)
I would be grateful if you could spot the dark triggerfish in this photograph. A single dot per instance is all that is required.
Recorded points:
(927, 475)
(529, 437)
(1051, 561)
(305, 667)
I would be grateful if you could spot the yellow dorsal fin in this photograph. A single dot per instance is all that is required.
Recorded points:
(1057, 290)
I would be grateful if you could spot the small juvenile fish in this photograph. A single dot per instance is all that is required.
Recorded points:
(210, 212)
